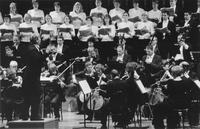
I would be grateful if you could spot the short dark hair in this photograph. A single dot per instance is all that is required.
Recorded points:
(56, 3)
(91, 39)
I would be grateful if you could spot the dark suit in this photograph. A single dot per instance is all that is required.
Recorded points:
(31, 82)
(166, 43)
(152, 70)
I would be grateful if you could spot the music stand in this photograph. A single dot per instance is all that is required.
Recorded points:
(86, 90)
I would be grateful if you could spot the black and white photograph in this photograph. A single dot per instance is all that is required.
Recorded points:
(99, 64)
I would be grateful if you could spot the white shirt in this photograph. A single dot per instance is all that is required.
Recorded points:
(49, 27)
(37, 13)
(135, 12)
(155, 14)
(16, 23)
(99, 10)
(120, 58)
(93, 29)
(147, 26)
(149, 59)
(111, 33)
(165, 23)
(116, 12)
(60, 48)
(27, 35)
(57, 17)
(198, 10)
(8, 27)
(68, 36)
(77, 22)
(128, 24)
(186, 24)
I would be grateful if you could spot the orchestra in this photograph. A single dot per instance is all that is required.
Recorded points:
(128, 59)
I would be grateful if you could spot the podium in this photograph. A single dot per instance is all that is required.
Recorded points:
(43, 124)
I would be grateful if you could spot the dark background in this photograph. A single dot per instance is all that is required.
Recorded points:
(67, 5)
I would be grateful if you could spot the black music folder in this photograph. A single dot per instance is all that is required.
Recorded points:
(6, 34)
(123, 30)
(134, 20)
(17, 19)
(141, 32)
(97, 15)
(116, 18)
(29, 29)
(67, 30)
(104, 31)
(36, 19)
(85, 33)
(44, 31)
(162, 30)
(170, 10)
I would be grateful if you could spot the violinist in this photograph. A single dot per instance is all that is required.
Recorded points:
(178, 97)
(184, 47)
(121, 59)
(55, 92)
(12, 94)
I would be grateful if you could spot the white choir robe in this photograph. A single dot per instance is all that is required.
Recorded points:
(147, 26)
(136, 13)
(116, 12)
(155, 14)
(99, 10)
(8, 27)
(93, 29)
(27, 35)
(77, 22)
(66, 35)
(37, 14)
(12, 16)
(128, 24)
(49, 27)
(57, 17)
(112, 32)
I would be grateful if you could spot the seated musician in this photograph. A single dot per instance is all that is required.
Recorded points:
(178, 95)
(89, 74)
(29, 29)
(55, 94)
(36, 14)
(184, 47)
(16, 18)
(57, 15)
(12, 97)
(122, 58)
(7, 36)
(152, 64)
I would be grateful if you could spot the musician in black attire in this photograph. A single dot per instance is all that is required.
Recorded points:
(178, 97)
(118, 106)
(152, 64)
(31, 84)
(167, 38)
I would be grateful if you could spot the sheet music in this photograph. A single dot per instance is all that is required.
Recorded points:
(141, 86)
(197, 82)
(85, 87)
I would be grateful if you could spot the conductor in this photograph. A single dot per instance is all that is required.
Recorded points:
(34, 59)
